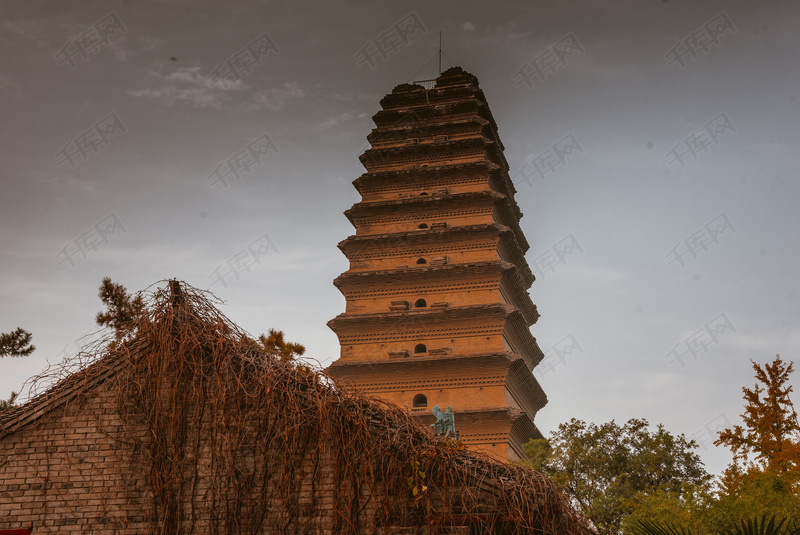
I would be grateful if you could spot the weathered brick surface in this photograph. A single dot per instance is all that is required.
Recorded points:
(77, 470)
(72, 471)
(83, 466)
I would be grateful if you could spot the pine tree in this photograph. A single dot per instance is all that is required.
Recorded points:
(275, 345)
(121, 307)
(16, 343)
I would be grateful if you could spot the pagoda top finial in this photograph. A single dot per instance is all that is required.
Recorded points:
(456, 75)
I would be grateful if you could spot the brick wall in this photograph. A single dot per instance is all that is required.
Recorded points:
(82, 467)
(81, 463)
(72, 471)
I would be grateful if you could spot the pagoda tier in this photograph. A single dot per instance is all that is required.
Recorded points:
(448, 378)
(423, 210)
(436, 246)
(437, 310)
(437, 287)
(475, 176)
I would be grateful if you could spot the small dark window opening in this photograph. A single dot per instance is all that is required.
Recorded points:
(423, 193)
(420, 303)
(423, 225)
(422, 261)
(420, 348)
(420, 401)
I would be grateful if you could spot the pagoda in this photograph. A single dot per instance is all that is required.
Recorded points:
(437, 311)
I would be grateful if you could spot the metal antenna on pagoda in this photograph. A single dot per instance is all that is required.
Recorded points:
(440, 52)
(428, 84)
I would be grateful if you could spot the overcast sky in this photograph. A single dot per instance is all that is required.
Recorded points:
(654, 145)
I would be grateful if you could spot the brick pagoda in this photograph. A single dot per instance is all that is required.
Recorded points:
(437, 305)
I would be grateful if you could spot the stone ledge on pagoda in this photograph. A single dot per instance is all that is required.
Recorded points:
(437, 284)
(375, 159)
(435, 173)
(401, 134)
(420, 156)
(436, 205)
(482, 172)
(425, 116)
(433, 273)
(452, 245)
(455, 314)
(432, 198)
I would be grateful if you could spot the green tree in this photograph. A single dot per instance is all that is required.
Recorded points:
(121, 307)
(8, 403)
(607, 470)
(277, 346)
(691, 507)
(752, 526)
(17, 343)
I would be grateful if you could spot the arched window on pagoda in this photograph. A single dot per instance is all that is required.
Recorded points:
(419, 401)
(423, 225)
(422, 261)
(420, 348)
(419, 303)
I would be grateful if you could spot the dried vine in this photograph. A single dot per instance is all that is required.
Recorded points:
(232, 440)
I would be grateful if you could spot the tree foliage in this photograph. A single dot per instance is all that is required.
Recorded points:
(764, 477)
(121, 307)
(691, 508)
(769, 440)
(763, 481)
(17, 343)
(8, 403)
(751, 526)
(606, 470)
(277, 346)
